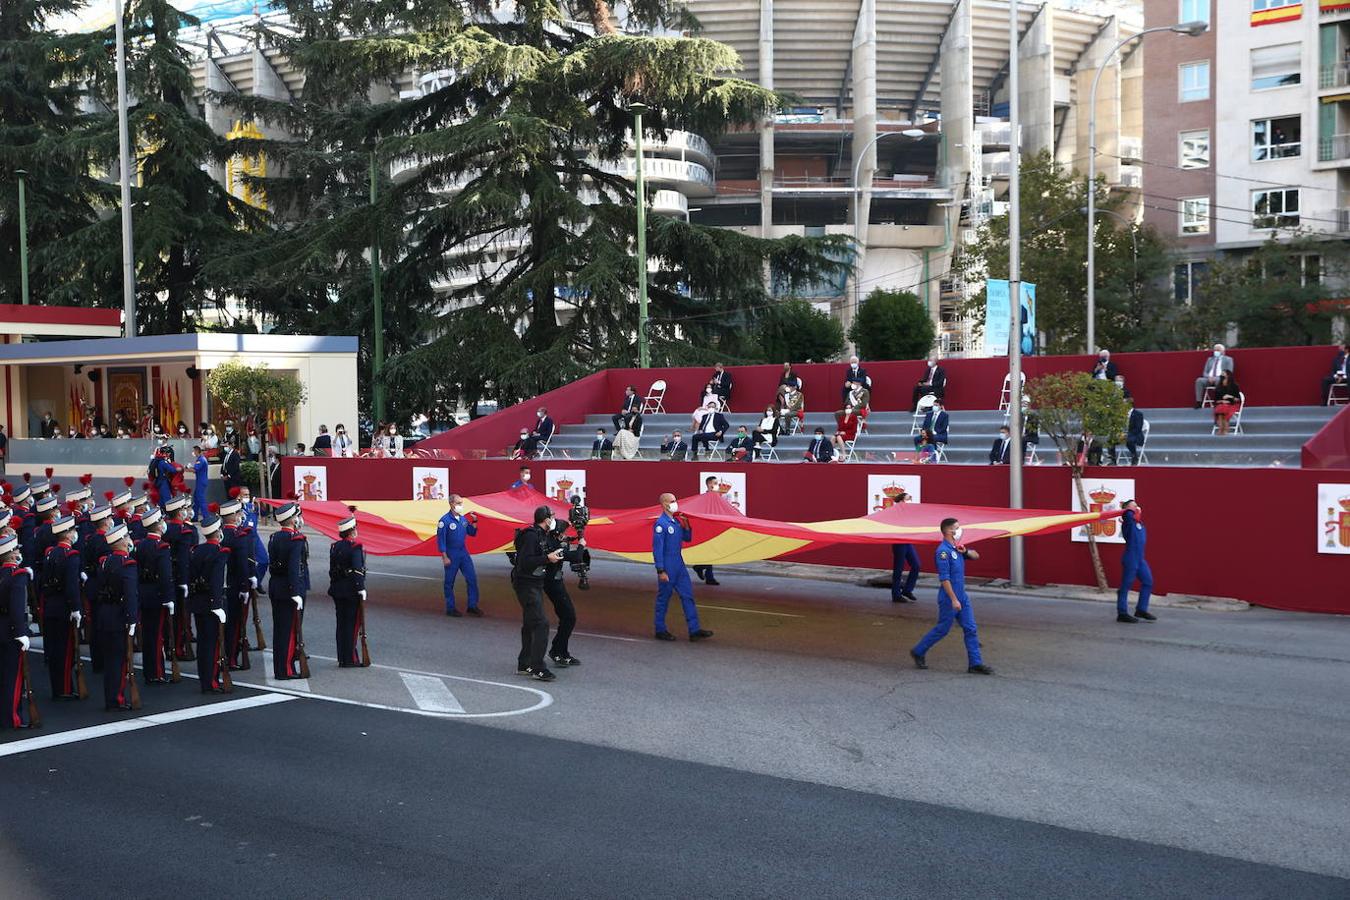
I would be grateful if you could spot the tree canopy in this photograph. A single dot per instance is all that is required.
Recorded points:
(892, 325)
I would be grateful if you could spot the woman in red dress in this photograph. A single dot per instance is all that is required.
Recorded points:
(1227, 401)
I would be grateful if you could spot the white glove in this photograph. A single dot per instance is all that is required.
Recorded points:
(84, 576)
(243, 596)
(29, 570)
(253, 581)
(362, 594)
(299, 603)
(183, 588)
(131, 630)
(23, 642)
(76, 617)
(169, 606)
(219, 614)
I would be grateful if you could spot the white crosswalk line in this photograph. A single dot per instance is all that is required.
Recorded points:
(290, 684)
(430, 693)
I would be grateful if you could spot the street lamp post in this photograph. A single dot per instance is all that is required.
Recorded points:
(124, 151)
(376, 297)
(1189, 29)
(644, 350)
(23, 238)
(857, 206)
(1016, 456)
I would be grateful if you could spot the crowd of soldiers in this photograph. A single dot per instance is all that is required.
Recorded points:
(140, 574)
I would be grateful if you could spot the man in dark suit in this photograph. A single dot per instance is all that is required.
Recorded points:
(630, 412)
(934, 382)
(1105, 370)
(710, 430)
(1134, 433)
(543, 428)
(675, 447)
(49, 427)
(602, 447)
(323, 444)
(229, 467)
(936, 422)
(820, 449)
(998, 454)
(721, 384)
(855, 374)
(1340, 372)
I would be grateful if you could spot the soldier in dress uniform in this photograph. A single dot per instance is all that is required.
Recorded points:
(158, 595)
(240, 577)
(120, 501)
(25, 525)
(136, 516)
(46, 511)
(288, 551)
(347, 587)
(182, 537)
(61, 609)
(115, 616)
(14, 579)
(95, 548)
(206, 600)
(79, 502)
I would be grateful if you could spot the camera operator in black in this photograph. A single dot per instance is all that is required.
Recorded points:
(533, 562)
(580, 516)
(556, 588)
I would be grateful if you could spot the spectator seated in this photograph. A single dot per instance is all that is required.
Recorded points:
(820, 449)
(1216, 364)
(932, 384)
(720, 384)
(742, 447)
(766, 432)
(1336, 386)
(675, 448)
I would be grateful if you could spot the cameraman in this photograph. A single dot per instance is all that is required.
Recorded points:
(556, 588)
(533, 562)
(580, 516)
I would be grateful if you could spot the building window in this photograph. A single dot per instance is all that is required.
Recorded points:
(1194, 11)
(1276, 208)
(1194, 81)
(1280, 138)
(1276, 67)
(1193, 149)
(1187, 279)
(1312, 269)
(1195, 215)
(1259, 5)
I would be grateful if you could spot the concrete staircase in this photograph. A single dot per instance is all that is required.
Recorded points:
(1272, 435)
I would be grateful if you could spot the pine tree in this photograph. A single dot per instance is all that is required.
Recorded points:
(518, 147)
(44, 125)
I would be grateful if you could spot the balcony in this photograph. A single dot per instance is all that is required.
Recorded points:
(670, 203)
(693, 179)
(1334, 149)
(1336, 75)
(1131, 177)
(1334, 8)
(684, 144)
(1131, 148)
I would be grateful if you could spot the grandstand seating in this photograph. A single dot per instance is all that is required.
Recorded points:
(1272, 435)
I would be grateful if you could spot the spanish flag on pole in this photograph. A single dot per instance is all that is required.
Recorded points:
(1277, 14)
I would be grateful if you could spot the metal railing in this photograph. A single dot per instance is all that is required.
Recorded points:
(1333, 148)
(1335, 75)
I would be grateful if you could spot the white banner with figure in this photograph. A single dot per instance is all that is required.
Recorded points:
(731, 485)
(564, 484)
(430, 483)
(311, 482)
(1333, 518)
(884, 490)
(1104, 495)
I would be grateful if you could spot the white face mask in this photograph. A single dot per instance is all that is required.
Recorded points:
(524, 435)
(1218, 353)
(956, 535)
(459, 509)
(674, 506)
(548, 524)
(600, 437)
(525, 477)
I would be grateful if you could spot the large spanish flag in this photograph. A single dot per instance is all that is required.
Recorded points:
(722, 535)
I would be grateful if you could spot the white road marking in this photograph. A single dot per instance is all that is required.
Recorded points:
(400, 575)
(431, 693)
(123, 725)
(293, 684)
(608, 637)
(753, 612)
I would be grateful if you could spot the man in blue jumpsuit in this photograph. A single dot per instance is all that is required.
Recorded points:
(163, 471)
(953, 603)
(902, 586)
(199, 470)
(1134, 566)
(249, 516)
(672, 530)
(523, 479)
(451, 532)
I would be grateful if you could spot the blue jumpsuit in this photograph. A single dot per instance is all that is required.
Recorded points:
(451, 532)
(900, 584)
(164, 472)
(666, 540)
(249, 517)
(199, 469)
(1133, 565)
(951, 567)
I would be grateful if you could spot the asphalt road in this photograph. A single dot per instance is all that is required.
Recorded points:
(796, 752)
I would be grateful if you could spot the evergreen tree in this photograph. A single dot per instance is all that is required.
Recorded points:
(508, 232)
(892, 325)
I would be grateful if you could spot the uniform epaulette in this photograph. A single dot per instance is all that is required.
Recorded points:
(297, 536)
(71, 551)
(128, 561)
(224, 549)
(164, 545)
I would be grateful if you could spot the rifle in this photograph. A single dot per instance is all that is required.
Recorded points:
(300, 642)
(257, 621)
(244, 662)
(226, 684)
(34, 717)
(133, 689)
(361, 622)
(175, 674)
(81, 685)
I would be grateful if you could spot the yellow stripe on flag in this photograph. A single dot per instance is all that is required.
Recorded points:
(1282, 14)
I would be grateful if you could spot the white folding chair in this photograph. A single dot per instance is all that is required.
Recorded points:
(850, 453)
(921, 412)
(1208, 398)
(1005, 395)
(769, 452)
(794, 424)
(542, 451)
(1339, 394)
(1235, 423)
(715, 452)
(941, 455)
(1143, 448)
(654, 401)
(1031, 459)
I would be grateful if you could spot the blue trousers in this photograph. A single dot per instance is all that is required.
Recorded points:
(679, 581)
(1133, 568)
(946, 616)
(901, 554)
(460, 562)
(199, 501)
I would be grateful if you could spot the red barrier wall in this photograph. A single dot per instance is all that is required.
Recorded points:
(1330, 447)
(1277, 376)
(1248, 533)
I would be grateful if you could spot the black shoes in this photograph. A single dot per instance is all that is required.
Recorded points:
(564, 660)
(919, 661)
(979, 670)
(584, 583)
(475, 612)
(1145, 615)
(454, 613)
(909, 597)
(664, 636)
(701, 635)
(543, 675)
(712, 581)
(1126, 618)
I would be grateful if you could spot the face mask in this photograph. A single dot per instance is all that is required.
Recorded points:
(820, 434)
(524, 435)
(548, 524)
(459, 509)
(599, 436)
(932, 362)
(18, 559)
(677, 438)
(674, 506)
(741, 433)
(956, 535)
(1103, 358)
(525, 477)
